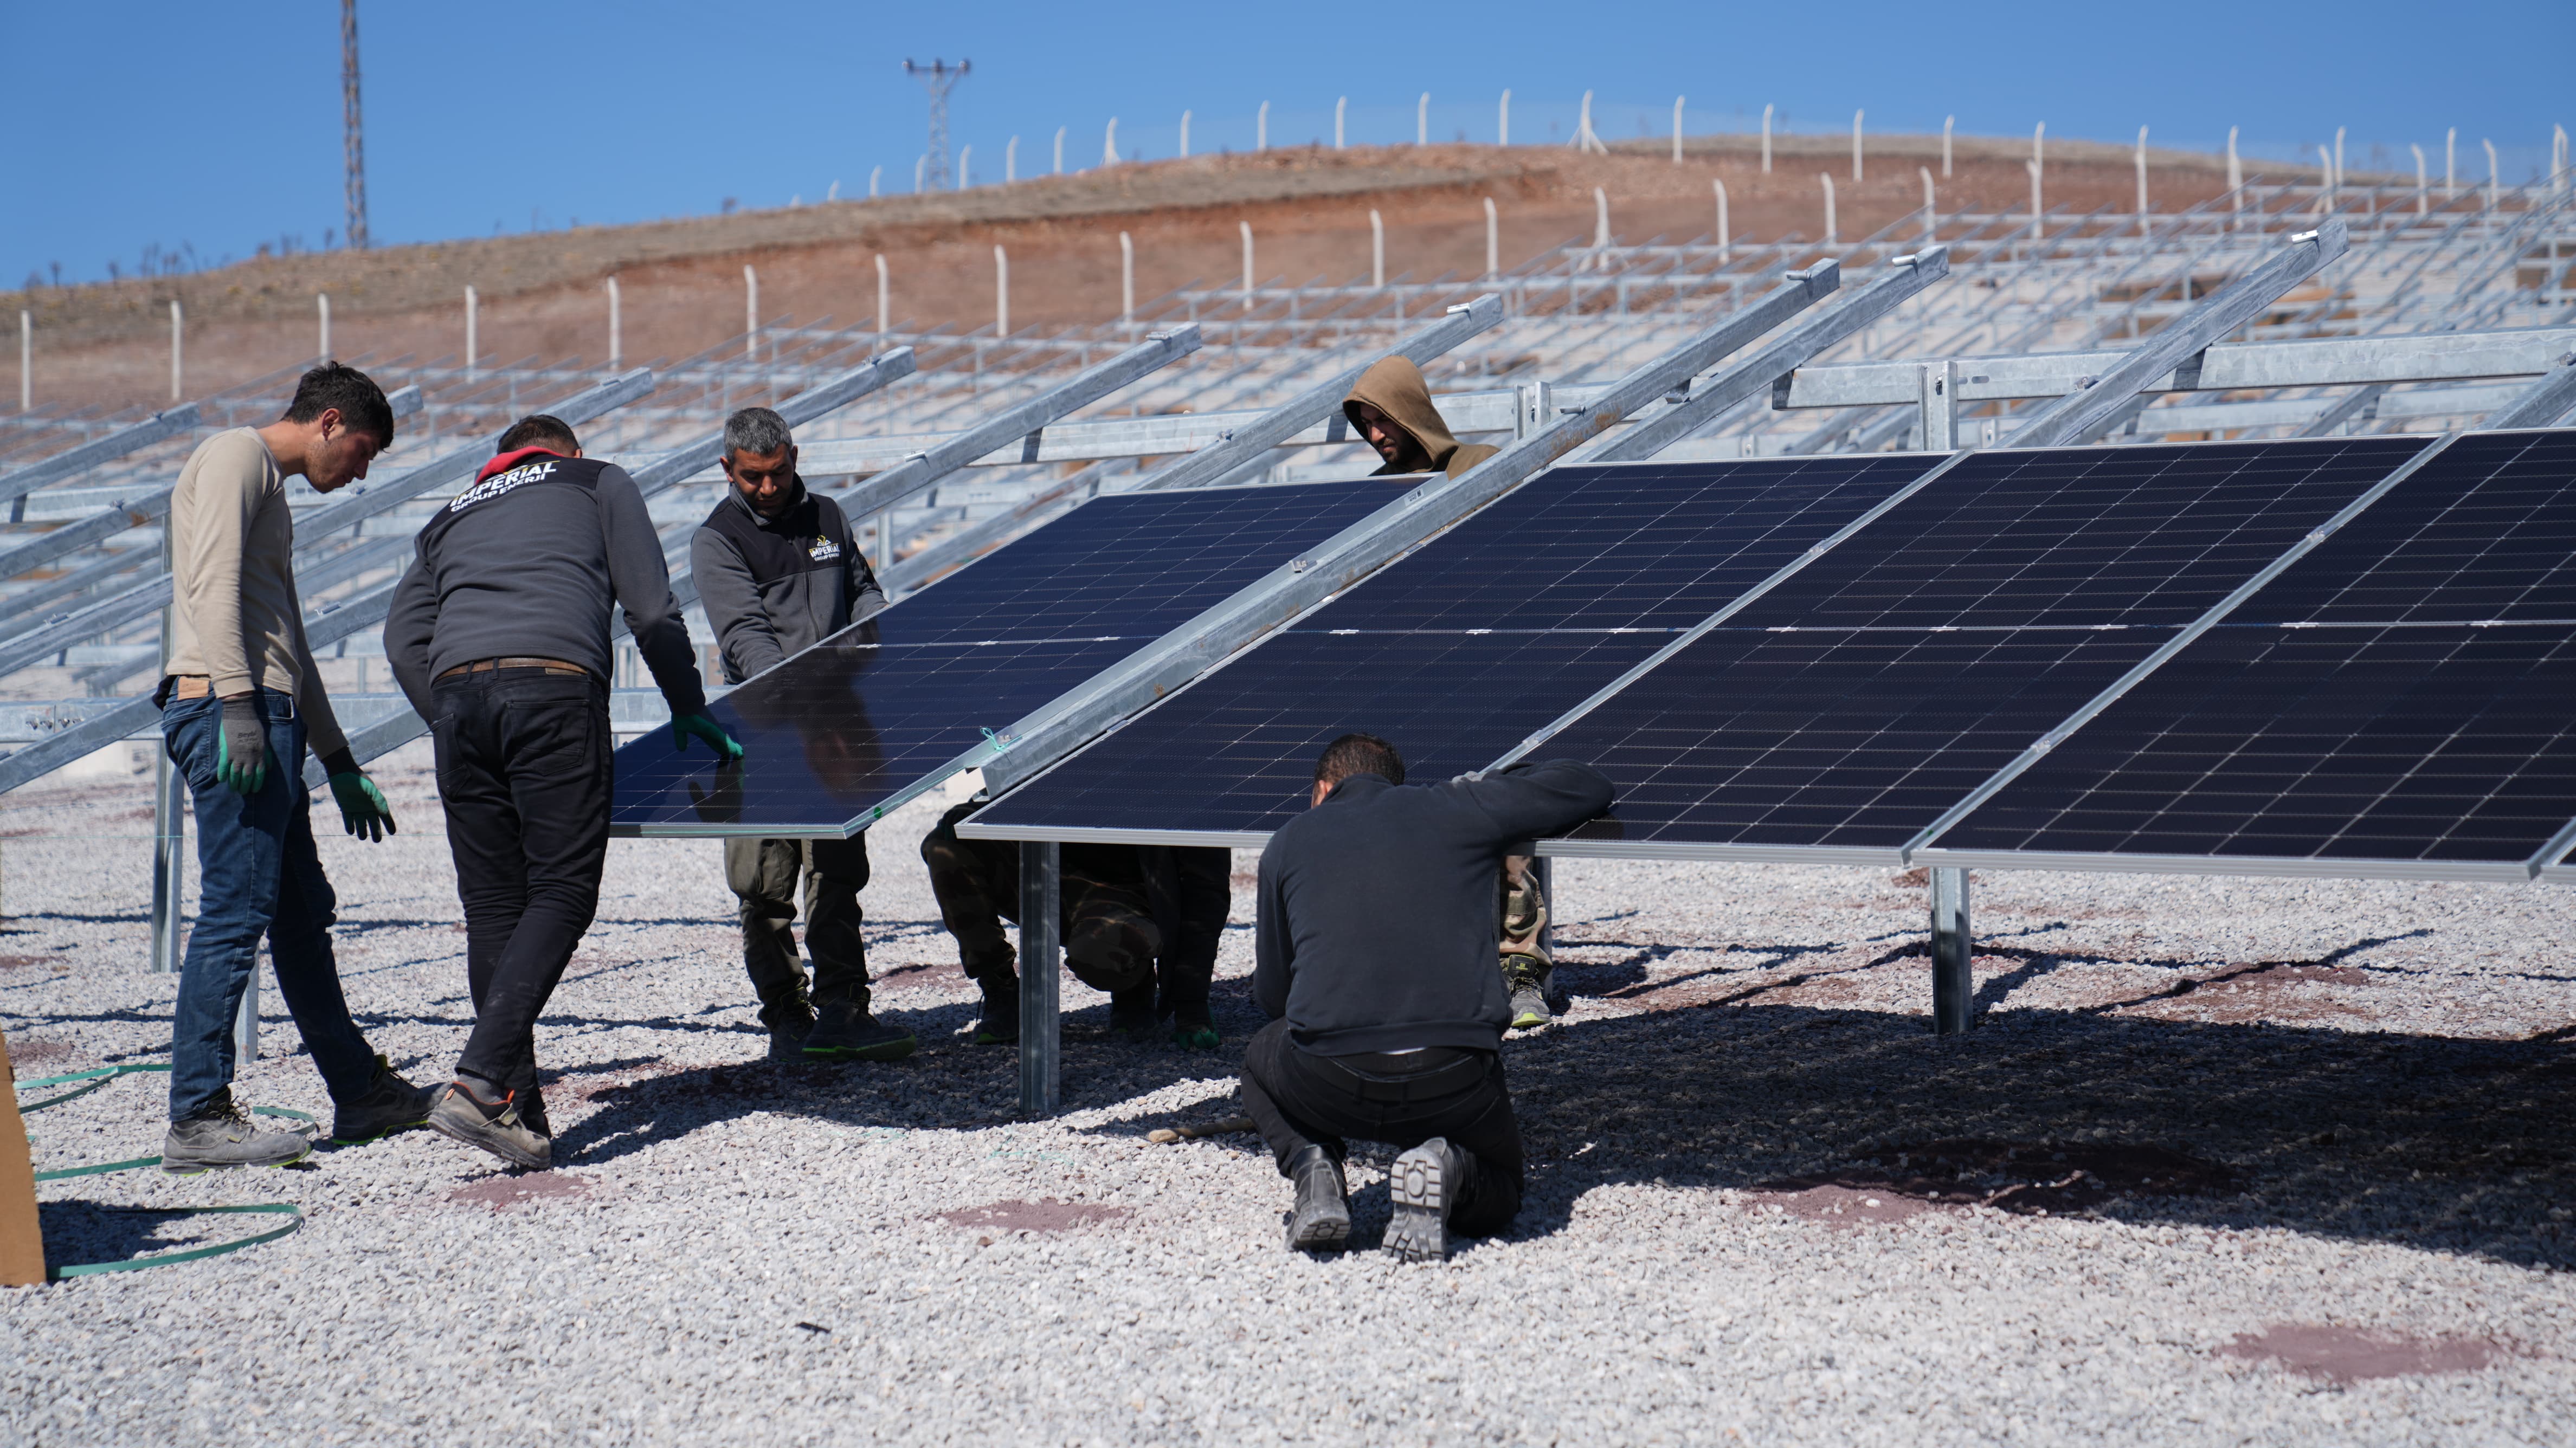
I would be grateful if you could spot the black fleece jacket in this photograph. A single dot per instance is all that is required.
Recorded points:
(1377, 927)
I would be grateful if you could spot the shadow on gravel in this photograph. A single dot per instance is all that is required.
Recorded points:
(2429, 1142)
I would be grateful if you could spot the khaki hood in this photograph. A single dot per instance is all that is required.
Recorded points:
(1394, 386)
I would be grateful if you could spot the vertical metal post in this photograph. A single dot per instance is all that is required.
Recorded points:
(1377, 249)
(750, 313)
(1041, 1036)
(246, 1020)
(472, 320)
(1939, 424)
(1953, 987)
(616, 325)
(169, 816)
(1493, 242)
(1126, 278)
(1725, 228)
(882, 297)
(27, 353)
(1001, 292)
(1766, 140)
(322, 302)
(177, 326)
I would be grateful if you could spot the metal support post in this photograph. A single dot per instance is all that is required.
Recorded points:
(1939, 406)
(169, 816)
(1041, 1034)
(1954, 989)
(246, 1021)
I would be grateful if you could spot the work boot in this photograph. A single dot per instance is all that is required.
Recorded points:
(1131, 1014)
(790, 1020)
(1526, 979)
(462, 1113)
(217, 1134)
(1424, 1184)
(389, 1104)
(845, 1031)
(1000, 1024)
(1321, 1220)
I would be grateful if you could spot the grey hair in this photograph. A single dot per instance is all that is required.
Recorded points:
(755, 430)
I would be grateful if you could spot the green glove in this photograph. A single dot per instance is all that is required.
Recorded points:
(363, 811)
(241, 746)
(684, 727)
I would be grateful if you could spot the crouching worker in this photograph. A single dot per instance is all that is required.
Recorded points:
(1375, 956)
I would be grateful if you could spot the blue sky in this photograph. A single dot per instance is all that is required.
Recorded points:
(197, 127)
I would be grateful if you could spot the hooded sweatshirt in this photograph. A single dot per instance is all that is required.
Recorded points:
(525, 564)
(1394, 386)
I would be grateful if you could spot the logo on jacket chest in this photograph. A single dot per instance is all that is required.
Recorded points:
(823, 550)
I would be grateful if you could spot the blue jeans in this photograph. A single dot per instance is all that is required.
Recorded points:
(259, 877)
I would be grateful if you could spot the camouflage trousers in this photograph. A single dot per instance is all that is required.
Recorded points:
(1523, 907)
(1110, 939)
(764, 875)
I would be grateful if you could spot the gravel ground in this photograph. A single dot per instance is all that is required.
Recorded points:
(2228, 1161)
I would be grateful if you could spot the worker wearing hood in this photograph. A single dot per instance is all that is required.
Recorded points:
(1391, 409)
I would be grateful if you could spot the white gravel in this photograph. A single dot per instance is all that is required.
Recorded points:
(2364, 1084)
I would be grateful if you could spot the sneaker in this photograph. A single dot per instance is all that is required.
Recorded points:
(390, 1104)
(1001, 1022)
(219, 1135)
(847, 1032)
(1131, 1014)
(1424, 1185)
(1321, 1220)
(1527, 982)
(460, 1114)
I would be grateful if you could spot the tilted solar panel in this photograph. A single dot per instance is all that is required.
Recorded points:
(1460, 650)
(1849, 708)
(2400, 701)
(831, 733)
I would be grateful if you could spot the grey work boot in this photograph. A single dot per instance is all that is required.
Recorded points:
(1424, 1185)
(462, 1114)
(390, 1104)
(846, 1031)
(218, 1134)
(1321, 1220)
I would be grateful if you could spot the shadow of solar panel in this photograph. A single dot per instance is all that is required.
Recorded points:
(2398, 698)
(1847, 709)
(833, 731)
(1459, 651)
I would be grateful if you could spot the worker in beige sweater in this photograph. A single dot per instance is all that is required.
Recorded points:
(240, 702)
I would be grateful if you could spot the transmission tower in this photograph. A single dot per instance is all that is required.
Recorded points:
(357, 151)
(939, 78)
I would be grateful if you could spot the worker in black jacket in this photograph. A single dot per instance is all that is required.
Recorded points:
(499, 637)
(778, 572)
(1374, 953)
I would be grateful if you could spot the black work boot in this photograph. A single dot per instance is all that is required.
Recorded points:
(388, 1105)
(845, 1031)
(1321, 1220)
(1131, 1014)
(1000, 1024)
(1425, 1184)
(789, 1018)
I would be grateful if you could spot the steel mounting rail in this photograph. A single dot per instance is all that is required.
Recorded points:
(73, 462)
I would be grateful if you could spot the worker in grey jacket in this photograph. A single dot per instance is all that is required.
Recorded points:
(499, 637)
(778, 572)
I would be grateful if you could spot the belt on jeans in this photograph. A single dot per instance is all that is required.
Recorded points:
(1447, 1080)
(485, 666)
(191, 686)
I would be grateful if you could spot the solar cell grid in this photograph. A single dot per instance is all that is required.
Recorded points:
(1847, 709)
(834, 731)
(1460, 650)
(2395, 702)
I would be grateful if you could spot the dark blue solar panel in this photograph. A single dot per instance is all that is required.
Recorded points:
(838, 728)
(1461, 650)
(1852, 706)
(2345, 712)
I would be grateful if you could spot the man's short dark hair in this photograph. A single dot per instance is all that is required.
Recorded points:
(361, 402)
(1358, 754)
(755, 430)
(540, 429)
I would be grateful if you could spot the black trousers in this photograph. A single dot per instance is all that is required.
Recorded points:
(525, 773)
(1300, 1100)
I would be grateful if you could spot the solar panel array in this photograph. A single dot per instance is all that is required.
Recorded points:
(2393, 702)
(831, 733)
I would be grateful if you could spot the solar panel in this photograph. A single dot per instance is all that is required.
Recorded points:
(833, 732)
(2396, 702)
(1463, 648)
(1846, 710)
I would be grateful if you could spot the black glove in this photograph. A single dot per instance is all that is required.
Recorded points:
(241, 746)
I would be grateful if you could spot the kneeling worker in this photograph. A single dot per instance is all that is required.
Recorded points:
(778, 572)
(1391, 407)
(499, 637)
(1375, 949)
